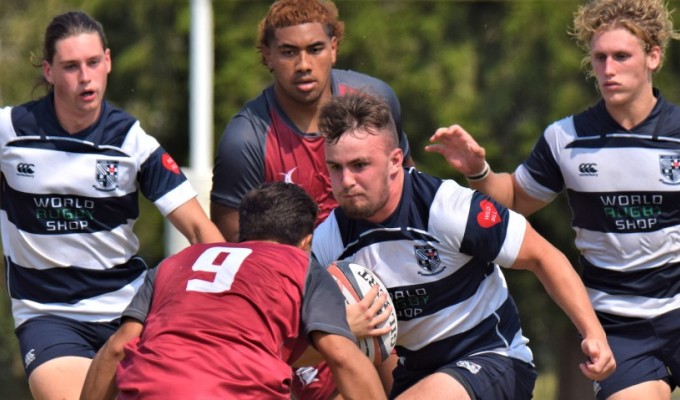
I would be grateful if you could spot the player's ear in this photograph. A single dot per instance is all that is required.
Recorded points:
(654, 58)
(107, 59)
(47, 72)
(306, 243)
(266, 55)
(334, 49)
(396, 158)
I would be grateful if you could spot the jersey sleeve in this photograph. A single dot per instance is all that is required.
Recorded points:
(160, 178)
(141, 303)
(323, 305)
(493, 233)
(239, 163)
(540, 175)
(327, 243)
(6, 130)
(484, 229)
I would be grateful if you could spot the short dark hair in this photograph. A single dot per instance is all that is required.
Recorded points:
(277, 211)
(354, 111)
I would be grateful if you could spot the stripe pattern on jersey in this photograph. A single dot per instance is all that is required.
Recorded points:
(437, 256)
(624, 189)
(68, 208)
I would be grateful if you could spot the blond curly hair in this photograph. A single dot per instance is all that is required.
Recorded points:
(649, 20)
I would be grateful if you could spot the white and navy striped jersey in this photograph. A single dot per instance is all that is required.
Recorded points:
(69, 203)
(624, 191)
(437, 255)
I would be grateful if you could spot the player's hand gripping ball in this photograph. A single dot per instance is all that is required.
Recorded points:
(355, 281)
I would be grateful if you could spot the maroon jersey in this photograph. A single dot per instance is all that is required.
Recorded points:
(261, 144)
(224, 320)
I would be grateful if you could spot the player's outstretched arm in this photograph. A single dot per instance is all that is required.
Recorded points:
(563, 284)
(100, 382)
(459, 149)
(464, 154)
(353, 373)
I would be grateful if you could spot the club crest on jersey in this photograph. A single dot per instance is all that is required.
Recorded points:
(106, 175)
(428, 259)
(670, 169)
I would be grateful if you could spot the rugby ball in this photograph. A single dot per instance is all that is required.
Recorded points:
(355, 281)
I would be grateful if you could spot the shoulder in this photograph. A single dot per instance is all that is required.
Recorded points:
(348, 81)
(6, 120)
(327, 243)
(255, 117)
(423, 182)
(672, 120)
(258, 107)
(25, 119)
(594, 121)
(115, 119)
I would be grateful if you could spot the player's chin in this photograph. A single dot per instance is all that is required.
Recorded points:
(354, 208)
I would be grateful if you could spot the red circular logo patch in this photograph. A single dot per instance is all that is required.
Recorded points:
(169, 163)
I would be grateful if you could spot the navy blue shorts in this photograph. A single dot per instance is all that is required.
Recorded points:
(42, 339)
(485, 376)
(645, 350)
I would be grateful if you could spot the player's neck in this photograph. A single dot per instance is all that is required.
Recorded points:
(631, 114)
(305, 116)
(75, 121)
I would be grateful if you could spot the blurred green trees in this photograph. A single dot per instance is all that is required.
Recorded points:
(502, 69)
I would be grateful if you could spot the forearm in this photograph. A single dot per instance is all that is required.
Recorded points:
(499, 186)
(194, 224)
(567, 290)
(562, 283)
(100, 381)
(353, 373)
(358, 380)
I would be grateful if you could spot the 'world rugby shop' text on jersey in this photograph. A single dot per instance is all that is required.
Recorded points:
(69, 204)
(624, 189)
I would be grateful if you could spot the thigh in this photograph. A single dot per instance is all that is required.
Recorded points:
(486, 376)
(638, 364)
(436, 386)
(492, 376)
(67, 338)
(669, 330)
(59, 378)
(650, 390)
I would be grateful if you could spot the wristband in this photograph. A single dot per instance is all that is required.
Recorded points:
(481, 175)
